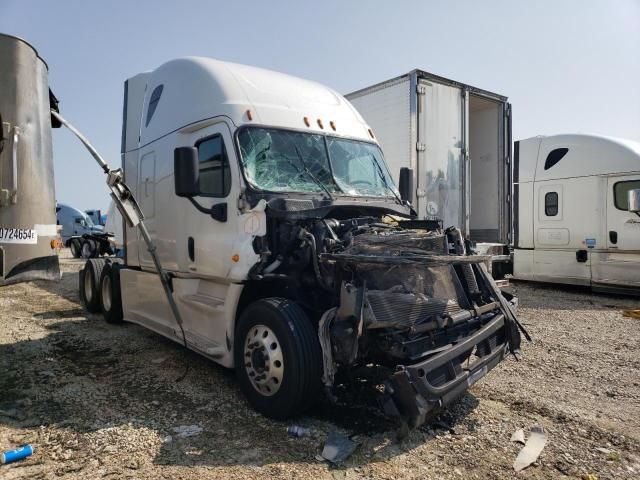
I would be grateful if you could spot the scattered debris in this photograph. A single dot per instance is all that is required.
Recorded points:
(18, 454)
(338, 448)
(631, 314)
(184, 431)
(532, 449)
(83, 429)
(613, 457)
(157, 361)
(518, 436)
(589, 476)
(606, 451)
(297, 431)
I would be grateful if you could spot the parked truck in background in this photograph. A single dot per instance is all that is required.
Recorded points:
(79, 233)
(456, 139)
(576, 220)
(273, 211)
(96, 217)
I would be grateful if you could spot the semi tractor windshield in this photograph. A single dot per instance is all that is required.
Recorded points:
(287, 161)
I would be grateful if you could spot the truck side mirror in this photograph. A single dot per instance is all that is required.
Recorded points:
(186, 174)
(405, 184)
(634, 200)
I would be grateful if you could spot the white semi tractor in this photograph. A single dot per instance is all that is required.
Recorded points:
(576, 221)
(270, 206)
(453, 141)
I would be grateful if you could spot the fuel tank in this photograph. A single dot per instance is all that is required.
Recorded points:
(27, 197)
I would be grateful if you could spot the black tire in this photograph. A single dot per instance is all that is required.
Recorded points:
(89, 284)
(110, 297)
(301, 357)
(74, 246)
(88, 249)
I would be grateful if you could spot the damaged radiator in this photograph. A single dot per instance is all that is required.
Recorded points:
(391, 309)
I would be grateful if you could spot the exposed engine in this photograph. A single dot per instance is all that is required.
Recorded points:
(414, 300)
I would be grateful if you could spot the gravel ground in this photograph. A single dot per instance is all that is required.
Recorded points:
(102, 401)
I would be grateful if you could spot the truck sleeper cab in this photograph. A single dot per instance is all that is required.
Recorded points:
(572, 220)
(288, 247)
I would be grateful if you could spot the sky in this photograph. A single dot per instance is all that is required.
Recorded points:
(566, 65)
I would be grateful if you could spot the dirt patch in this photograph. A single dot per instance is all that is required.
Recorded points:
(102, 401)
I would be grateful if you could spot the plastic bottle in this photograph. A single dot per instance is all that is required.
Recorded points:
(297, 431)
(17, 454)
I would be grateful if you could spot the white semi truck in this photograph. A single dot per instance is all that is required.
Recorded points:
(269, 205)
(576, 215)
(454, 142)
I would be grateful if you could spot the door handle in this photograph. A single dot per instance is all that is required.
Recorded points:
(613, 236)
(192, 249)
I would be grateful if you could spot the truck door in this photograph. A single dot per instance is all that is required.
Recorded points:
(206, 245)
(440, 160)
(622, 262)
(146, 199)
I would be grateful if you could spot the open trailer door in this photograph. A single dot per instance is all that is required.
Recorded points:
(507, 214)
(440, 185)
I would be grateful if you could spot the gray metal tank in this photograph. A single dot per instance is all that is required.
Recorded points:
(27, 197)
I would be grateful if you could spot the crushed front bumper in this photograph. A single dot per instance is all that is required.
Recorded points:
(416, 391)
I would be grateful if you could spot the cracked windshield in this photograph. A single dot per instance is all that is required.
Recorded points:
(285, 161)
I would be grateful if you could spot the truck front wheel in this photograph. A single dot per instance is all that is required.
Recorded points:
(278, 359)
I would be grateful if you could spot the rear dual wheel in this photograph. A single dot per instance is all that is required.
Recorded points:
(100, 288)
(89, 248)
(278, 359)
(110, 297)
(90, 284)
(74, 246)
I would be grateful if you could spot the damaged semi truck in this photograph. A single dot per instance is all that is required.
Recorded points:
(289, 251)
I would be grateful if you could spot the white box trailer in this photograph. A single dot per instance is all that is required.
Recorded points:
(457, 140)
(573, 222)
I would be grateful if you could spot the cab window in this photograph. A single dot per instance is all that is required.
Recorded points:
(215, 175)
(551, 204)
(621, 193)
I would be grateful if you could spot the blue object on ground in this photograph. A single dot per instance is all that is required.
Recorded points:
(17, 454)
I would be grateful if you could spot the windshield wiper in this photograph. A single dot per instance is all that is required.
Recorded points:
(384, 180)
(309, 174)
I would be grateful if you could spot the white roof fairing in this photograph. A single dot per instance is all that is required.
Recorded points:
(587, 155)
(198, 88)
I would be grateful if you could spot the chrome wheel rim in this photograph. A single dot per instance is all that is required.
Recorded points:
(106, 293)
(263, 360)
(88, 291)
